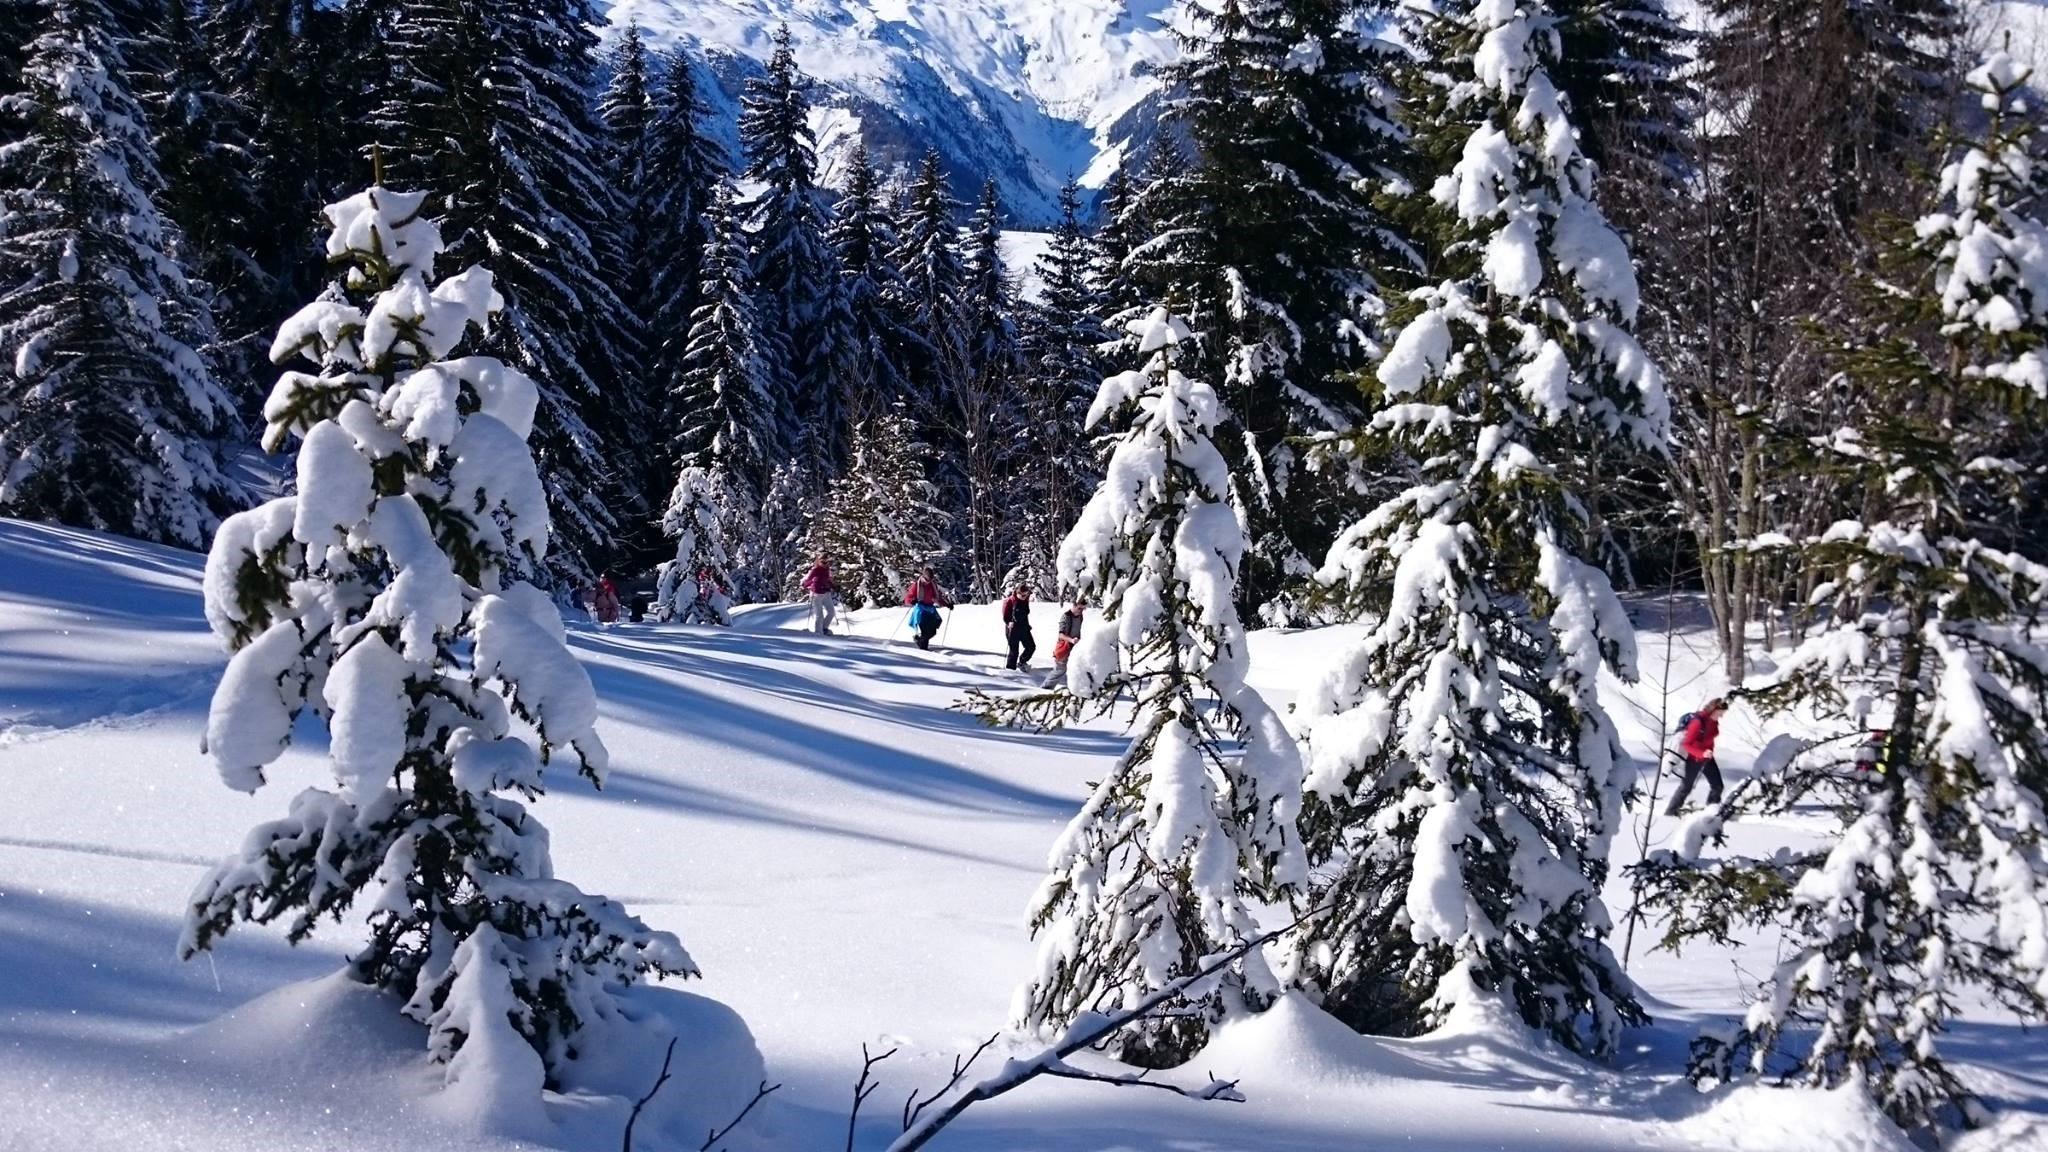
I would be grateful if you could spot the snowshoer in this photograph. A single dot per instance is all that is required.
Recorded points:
(1017, 628)
(605, 604)
(824, 596)
(1696, 744)
(925, 598)
(1063, 644)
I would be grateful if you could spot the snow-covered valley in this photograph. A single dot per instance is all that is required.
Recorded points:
(847, 857)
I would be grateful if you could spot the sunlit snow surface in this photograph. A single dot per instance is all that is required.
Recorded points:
(847, 859)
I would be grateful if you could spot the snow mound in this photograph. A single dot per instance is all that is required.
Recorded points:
(1764, 1118)
(1295, 1049)
(334, 1038)
(715, 1071)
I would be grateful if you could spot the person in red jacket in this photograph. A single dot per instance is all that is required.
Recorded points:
(1696, 744)
(1017, 628)
(824, 596)
(925, 598)
(605, 603)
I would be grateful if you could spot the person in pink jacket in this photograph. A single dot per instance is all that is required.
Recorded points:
(824, 596)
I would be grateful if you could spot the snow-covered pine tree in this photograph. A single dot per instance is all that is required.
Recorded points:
(927, 253)
(625, 112)
(1118, 233)
(863, 242)
(18, 19)
(698, 512)
(276, 63)
(488, 106)
(933, 290)
(1622, 62)
(1465, 779)
(1059, 343)
(991, 419)
(1158, 870)
(729, 423)
(880, 522)
(109, 418)
(773, 536)
(684, 164)
(389, 598)
(1273, 241)
(795, 283)
(1936, 884)
(203, 138)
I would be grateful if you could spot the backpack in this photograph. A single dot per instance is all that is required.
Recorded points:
(1684, 722)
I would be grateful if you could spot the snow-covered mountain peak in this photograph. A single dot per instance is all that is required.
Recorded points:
(1031, 92)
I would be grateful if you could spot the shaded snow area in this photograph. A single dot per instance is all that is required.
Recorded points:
(848, 859)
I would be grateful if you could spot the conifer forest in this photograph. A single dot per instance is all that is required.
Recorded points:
(1278, 575)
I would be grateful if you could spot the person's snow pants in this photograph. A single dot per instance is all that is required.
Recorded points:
(924, 620)
(823, 606)
(1022, 646)
(1694, 768)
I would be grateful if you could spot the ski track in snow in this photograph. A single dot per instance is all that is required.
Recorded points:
(848, 858)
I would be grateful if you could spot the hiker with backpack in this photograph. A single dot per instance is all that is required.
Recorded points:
(925, 598)
(1697, 732)
(1017, 628)
(824, 596)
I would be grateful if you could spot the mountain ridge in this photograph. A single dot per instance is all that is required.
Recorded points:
(1029, 92)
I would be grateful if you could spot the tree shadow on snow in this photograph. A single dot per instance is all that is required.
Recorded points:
(61, 957)
(637, 787)
(884, 768)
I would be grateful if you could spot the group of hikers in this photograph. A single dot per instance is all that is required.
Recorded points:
(925, 597)
(709, 596)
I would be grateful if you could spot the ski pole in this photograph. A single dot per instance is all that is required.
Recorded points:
(949, 626)
(900, 624)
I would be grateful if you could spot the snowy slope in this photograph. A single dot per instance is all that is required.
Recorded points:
(1031, 92)
(847, 858)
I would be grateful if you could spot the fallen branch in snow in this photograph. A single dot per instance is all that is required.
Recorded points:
(1044, 710)
(718, 1134)
(1085, 1032)
(633, 1119)
(862, 1089)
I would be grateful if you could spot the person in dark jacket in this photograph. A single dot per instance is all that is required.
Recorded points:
(1017, 628)
(1696, 744)
(925, 598)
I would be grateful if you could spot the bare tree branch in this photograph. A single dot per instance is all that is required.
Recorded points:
(1214, 1090)
(913, 1107)
(633, 1119)
(1085, 1032)
(863, 1088)
(718, 1134)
